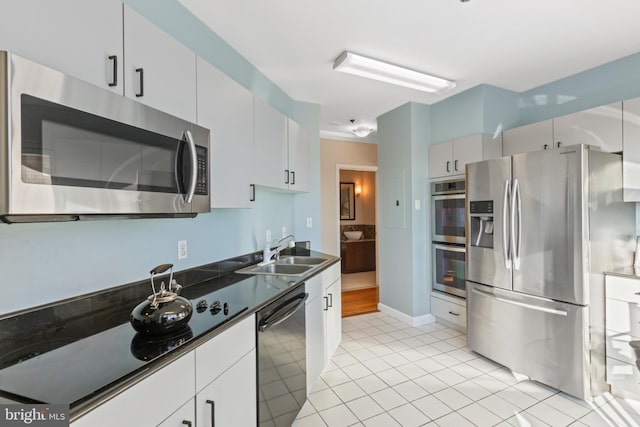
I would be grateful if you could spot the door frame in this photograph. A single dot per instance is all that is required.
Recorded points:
(360, 168)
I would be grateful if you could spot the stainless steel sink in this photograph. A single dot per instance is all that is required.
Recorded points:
(277, 269)
(301, 260)
(288, 265)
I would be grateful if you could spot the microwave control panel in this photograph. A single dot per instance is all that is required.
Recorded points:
(202, 181)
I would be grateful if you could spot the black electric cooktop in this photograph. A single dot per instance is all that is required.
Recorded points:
(67, 363)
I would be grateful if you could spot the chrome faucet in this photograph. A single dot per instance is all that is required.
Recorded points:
(268, 253)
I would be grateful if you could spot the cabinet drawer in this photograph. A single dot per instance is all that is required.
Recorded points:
(623, 376)
(623, 317)
(218, 354)
(331, 274)
(449, 311)
(623, 289)
(619, 348)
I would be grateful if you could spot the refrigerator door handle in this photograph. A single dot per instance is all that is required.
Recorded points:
(520, 304)
(516, 239)
(506, 253)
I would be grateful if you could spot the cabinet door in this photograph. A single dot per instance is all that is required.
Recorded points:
(315, 331)
(270, 146)
(230, 400)
(440, 159)
(333, 316)
(524, 139)
(139, 405)
(183, 417)
(226, 108)
(466, 150)
(299, 161)
(600, 126)
(159, 71)
(76, 37)
(631, 145)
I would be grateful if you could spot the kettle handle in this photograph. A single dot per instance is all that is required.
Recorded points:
(161, 268)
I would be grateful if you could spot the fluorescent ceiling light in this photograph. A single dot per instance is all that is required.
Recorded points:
(351, 63)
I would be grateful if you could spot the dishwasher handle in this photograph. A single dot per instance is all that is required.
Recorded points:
(279, 315)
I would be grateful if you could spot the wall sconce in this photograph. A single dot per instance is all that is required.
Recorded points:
(358, 190)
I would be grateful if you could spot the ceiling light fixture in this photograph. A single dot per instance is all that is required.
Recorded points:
(351, 63)
(362, 131)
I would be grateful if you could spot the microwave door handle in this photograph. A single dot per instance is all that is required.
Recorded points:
(194, 167)
(506, 254)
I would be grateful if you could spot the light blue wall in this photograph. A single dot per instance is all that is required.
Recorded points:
(403, 136)
(51, 261)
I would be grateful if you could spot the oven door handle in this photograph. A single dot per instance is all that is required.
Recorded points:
(279, 315)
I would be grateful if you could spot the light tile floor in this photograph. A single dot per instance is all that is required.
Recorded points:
(387, 374)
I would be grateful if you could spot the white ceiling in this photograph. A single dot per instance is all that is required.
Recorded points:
(511, 44)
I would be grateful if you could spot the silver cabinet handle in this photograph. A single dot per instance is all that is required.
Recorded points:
(326, 303)
(448, 166)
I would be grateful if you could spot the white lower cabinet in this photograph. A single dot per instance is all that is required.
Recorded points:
(315, 331)
(323, 320)
(450, 309)
(623, 335)
(230, 400)
(226, 378)
(183, 417)
(148, 402)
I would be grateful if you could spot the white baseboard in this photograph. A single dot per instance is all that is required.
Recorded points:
(409, 320)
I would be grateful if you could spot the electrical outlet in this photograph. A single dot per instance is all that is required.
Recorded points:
(309, 222)
(284, 231)
(268, 234)
(182, 249)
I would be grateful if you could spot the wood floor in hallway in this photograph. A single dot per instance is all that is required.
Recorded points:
(359, 301)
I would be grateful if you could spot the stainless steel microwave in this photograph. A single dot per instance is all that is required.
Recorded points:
(70, 150)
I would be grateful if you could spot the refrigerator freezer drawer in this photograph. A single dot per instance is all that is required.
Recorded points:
(544, 340)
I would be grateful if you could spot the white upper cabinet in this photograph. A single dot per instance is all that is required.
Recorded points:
(600, 126)
(631, 153)
(80, 38)
(299, 161)
(270, 146)
(282, 150)
(226, 108)
(159, 70)
(450, 157)
(524, 139)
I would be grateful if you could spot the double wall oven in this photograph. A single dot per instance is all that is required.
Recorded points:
(448, 237)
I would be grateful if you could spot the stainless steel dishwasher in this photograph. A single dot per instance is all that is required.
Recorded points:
(282, 384)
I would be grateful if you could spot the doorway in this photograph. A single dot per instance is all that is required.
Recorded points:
(357, 236)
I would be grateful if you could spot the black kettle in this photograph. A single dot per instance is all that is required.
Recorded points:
(163, 312)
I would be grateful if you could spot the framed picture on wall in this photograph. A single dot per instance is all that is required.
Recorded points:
(347, 200)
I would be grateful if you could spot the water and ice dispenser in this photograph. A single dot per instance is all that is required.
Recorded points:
(481, 218)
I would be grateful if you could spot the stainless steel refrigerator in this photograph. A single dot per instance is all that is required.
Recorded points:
(541, 229)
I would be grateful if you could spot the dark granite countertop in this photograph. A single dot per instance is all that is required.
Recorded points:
(83, 350)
